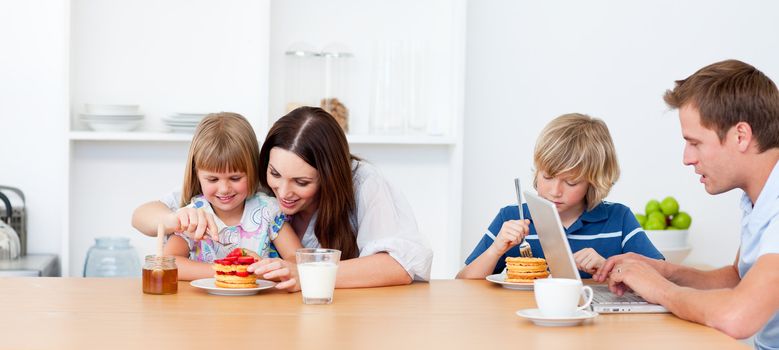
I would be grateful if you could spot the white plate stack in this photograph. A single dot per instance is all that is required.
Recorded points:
(111, 118)
(183, 122)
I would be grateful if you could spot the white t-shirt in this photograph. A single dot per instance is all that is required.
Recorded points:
(385, 222)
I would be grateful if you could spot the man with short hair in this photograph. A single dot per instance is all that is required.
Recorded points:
(729, 114)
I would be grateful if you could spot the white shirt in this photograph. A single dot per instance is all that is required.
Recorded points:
(760, 236)
(385, 222)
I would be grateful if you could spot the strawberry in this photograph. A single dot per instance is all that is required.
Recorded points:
(246, 260)
(242, 273)
(236, 252)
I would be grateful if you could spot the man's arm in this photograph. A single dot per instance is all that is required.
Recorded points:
(739, 312)
(725, 277)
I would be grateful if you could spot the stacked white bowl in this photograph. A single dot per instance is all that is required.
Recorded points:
(183, 122)
(672, 243)
(102, 117)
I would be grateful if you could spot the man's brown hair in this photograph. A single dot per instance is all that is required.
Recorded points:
(728, 92)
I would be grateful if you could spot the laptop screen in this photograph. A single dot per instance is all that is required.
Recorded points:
(552, 237)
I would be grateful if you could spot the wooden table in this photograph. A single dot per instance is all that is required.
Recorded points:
(88, 313)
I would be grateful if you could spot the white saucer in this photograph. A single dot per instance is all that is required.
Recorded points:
(501, 279)
(541, 320)
(211, 288)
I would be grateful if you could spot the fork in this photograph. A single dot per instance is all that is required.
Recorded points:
(524, 246)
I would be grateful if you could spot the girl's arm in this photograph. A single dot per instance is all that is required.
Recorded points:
(287, 242)
(192, 222)
(188, 270)
(148, 215)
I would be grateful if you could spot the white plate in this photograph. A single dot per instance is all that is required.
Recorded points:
(211, 288)
(541, 320)
(182, 129)
(111, 126)
(113, 117)
(501, 279)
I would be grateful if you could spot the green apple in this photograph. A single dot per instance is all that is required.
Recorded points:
(669, 206)
(681, 221)
(655, 221)
(654, 224)
(652, 206)
(641, 219)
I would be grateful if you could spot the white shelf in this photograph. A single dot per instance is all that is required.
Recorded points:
(128, 136)
(176, 137)
(400, 140)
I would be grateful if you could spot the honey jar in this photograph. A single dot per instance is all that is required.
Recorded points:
(160, 275)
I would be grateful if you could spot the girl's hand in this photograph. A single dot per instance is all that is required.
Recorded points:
(193, 222)
(511, 233)
(275, 269)
(588, 260)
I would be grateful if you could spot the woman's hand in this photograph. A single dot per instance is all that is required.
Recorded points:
(193, 222)
(588, 260)
(511, 233)
(286, 273)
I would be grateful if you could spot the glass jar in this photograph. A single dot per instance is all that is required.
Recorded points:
(303, 77)
(319, 79)
(160, 275)
(112, 257)
(336, 61)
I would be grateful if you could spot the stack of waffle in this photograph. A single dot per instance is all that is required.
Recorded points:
(525, 270)
(231, 272)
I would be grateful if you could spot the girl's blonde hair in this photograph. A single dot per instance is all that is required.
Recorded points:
(223, 142)
(581, 145)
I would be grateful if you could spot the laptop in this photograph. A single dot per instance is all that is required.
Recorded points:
(561, 263)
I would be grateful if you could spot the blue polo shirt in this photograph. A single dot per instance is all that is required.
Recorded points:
(609, 228)
(760, 237)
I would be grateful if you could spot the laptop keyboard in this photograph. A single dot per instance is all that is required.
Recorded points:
(602, 295)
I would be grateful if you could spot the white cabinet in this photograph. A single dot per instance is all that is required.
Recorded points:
(185, 56)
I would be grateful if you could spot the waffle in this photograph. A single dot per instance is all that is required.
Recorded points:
(231, 272)
(524, 270)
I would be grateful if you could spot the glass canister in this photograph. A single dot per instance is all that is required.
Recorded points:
(112, 257)
(160, 275)
(336, 61)
(303, 76)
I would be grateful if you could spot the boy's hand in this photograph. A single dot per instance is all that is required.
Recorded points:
(588, 260)
(511, 233)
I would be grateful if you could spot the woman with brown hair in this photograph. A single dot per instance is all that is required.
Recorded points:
(333, 200)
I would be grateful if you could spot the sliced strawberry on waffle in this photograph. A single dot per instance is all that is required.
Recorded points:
(231, 270)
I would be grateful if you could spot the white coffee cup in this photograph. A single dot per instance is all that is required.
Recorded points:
(559, 297)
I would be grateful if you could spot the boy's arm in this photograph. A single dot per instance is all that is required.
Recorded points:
(480, 267)
(188, 270)
(287, 242)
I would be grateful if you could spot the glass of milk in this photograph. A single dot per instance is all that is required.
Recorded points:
(316, 269)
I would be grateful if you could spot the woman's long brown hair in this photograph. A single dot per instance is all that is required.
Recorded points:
(315, 136)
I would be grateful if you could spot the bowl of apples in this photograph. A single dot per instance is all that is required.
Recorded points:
(667, 227)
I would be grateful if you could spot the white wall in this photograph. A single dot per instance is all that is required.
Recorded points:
(167, 56)
(529, 62)
(33, 110)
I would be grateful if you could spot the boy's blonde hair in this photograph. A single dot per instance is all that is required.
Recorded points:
(223, 142)
(582, 145)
